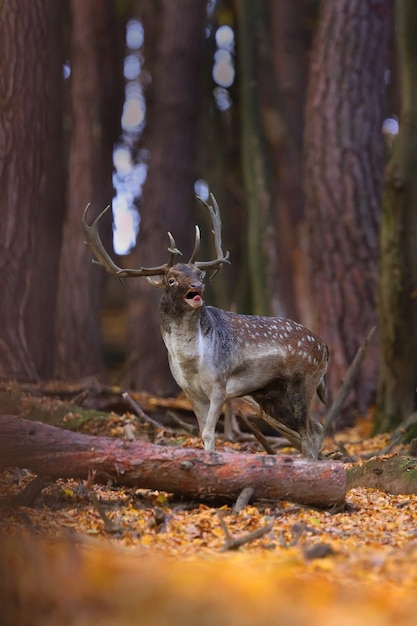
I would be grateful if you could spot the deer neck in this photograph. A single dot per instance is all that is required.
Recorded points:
(175, 320)
(185, 341)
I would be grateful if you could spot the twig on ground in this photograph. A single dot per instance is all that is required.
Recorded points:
(243, 499)
(110, 526)
(141, 413)
(29, 494)
(80, 397)
(297, 530)
(346, 385)
(257, 434)
(236, 434)
(54, 388)
(286, 511)
(346, 455)
(181, 423)
(233, 543)
(397, 436)
(292, 436)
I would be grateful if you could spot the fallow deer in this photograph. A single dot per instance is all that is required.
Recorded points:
(215, 355)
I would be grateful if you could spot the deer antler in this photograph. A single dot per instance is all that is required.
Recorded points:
(95, 245)
(216, 264)
(196, 245)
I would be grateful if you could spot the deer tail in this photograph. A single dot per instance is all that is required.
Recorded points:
(321, 389)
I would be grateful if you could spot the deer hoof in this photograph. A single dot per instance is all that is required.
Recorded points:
(208, 441)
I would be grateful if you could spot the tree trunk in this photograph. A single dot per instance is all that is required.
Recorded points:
(258, 198)
(96, 108)
(31, 184)
(168, 194)
(397, 309)
(344, 165)
(41, 306)
(283, 73)
(53, 452)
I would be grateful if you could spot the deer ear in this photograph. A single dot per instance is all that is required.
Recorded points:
(156, 281)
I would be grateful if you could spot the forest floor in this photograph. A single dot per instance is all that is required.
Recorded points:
(134, 556)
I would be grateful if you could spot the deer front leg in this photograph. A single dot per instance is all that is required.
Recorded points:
(207, 411)
(201, 408)
(208, 434)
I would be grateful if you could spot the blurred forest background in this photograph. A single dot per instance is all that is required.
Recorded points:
(300, 116)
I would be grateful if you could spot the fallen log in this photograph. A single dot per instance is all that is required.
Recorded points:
(395, 474)
(52, 452)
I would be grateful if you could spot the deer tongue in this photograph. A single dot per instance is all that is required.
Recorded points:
(194, 296)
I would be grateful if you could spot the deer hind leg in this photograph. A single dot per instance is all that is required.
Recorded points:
(310, 430)
(288, 401)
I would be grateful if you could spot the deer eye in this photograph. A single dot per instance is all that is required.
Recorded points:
(172, 282)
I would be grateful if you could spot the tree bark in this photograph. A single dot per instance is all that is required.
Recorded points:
(168, 194)
(52, 452)
(397, 293)
(31, 184)
(344, 168)
(95, 111)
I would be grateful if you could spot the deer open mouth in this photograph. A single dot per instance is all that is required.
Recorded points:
(193, 297)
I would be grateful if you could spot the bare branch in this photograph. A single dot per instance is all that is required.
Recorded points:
(140, 413)
(347, 384)
(233, 543)
(257, 434)
(243, 499)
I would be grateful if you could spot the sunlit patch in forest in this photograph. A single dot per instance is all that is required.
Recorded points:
(130, 171)
(134, 35)
(132, 67)
(223, 68)
(66, 70)
(134, 109)
(201, 189)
